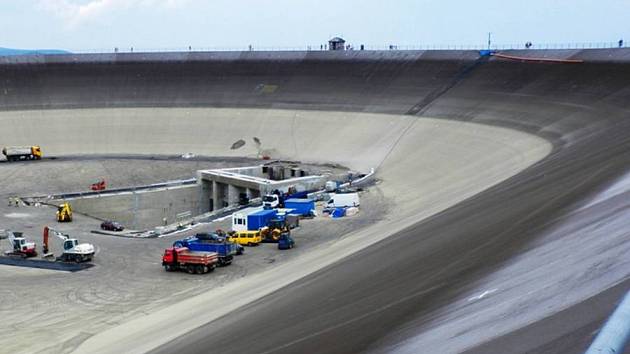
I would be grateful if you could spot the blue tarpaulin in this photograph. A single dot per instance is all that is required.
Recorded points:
(338, 213)
(301, 206)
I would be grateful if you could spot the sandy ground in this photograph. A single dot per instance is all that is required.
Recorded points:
(426, 165)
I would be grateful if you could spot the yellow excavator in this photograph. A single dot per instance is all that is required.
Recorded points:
(64, 212)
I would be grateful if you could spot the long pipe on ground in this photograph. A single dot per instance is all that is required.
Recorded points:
(614, 336)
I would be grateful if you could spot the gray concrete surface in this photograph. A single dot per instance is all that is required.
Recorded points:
(127, 280)
(141, 210)
(497, 263)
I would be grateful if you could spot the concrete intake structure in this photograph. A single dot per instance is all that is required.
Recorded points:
(221, 188)
(214, 190)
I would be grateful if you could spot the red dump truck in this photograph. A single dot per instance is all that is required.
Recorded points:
(181, 258)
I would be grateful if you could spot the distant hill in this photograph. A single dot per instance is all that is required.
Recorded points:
(9, 51)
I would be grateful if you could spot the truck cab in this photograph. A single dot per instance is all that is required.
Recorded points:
(271, 201)
(170, 255)
(70, 244)
(36, 152)
(20, 244)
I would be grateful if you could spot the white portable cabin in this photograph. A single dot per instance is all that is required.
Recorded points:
(239, 218)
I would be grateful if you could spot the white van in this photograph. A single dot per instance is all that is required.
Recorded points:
(343, 200)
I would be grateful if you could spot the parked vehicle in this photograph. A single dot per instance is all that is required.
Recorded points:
(277, 198)
(225, 249)
(286, 242)
(111, 226)
(20, 246)
(64, 212)
(343, 200)
(181, 258)
(275, 229)
(220, 237)
(272, 201)
(247, 238)
(73, 251)
(17, 153)
(99, 186)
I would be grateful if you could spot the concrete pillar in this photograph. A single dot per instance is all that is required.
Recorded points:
(216, 204)
(205, 194)
(232, 195)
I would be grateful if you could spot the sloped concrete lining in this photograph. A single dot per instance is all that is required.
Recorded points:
(408, 151)
(426, 166)
(489, 268)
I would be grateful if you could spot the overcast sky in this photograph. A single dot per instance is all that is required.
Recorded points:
(172, 24)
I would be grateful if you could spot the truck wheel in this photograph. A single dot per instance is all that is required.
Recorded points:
(211, 268)
(199, 269)
(167, 267)
(191, 269)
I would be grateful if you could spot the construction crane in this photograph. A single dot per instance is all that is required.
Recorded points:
(64, 212)
(20, 246)
(73, 251)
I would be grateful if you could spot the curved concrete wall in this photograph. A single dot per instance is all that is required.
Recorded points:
(580, 108)
(423, 160)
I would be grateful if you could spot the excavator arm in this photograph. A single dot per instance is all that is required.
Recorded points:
(72, 249)
(47, 231)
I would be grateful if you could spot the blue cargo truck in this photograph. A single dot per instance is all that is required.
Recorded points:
(225, 249)
(303, 207)
(260, 219)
